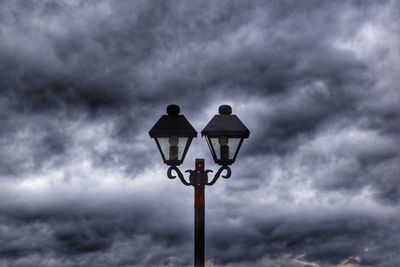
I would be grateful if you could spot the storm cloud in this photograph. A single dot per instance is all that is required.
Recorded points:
(316, 82)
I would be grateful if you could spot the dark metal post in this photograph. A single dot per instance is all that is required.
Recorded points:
(199, 217)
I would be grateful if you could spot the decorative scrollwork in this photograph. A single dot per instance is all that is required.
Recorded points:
(178, 172)
(198, 177)
(218, 174)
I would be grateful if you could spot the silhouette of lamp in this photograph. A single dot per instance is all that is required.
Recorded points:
(225, 134)
(173, 135)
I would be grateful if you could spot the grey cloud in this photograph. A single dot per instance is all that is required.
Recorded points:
(323, 238)
(81, 83)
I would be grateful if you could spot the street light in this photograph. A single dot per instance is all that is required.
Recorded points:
(173, 135)
(225, 134)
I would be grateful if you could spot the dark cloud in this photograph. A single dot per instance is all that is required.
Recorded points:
(81, 83)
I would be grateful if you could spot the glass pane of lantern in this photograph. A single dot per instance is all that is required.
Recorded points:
(225, 148)
(172, 147)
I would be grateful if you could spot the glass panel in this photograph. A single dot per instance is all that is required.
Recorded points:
(172, 147)
(225, 148)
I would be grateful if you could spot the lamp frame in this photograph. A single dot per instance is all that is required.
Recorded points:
(214, 153)
(174, 162)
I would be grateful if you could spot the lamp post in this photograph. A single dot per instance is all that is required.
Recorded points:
(173, 135)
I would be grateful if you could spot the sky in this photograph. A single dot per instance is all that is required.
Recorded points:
(317, 184)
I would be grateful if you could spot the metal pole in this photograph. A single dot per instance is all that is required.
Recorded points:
(199, 218)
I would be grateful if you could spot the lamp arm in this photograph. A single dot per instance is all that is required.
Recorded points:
(178, 172)
(218, 174)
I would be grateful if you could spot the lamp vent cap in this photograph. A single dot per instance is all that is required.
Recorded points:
(173, 110)
(225, 110)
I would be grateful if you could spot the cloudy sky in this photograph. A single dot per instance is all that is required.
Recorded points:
(317, 184)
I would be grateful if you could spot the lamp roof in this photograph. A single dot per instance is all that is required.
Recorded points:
(226, 124)
(172, 124)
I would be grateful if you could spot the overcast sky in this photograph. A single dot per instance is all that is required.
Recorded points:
(317, 184)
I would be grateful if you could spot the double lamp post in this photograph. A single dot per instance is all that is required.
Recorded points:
(173, 135)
